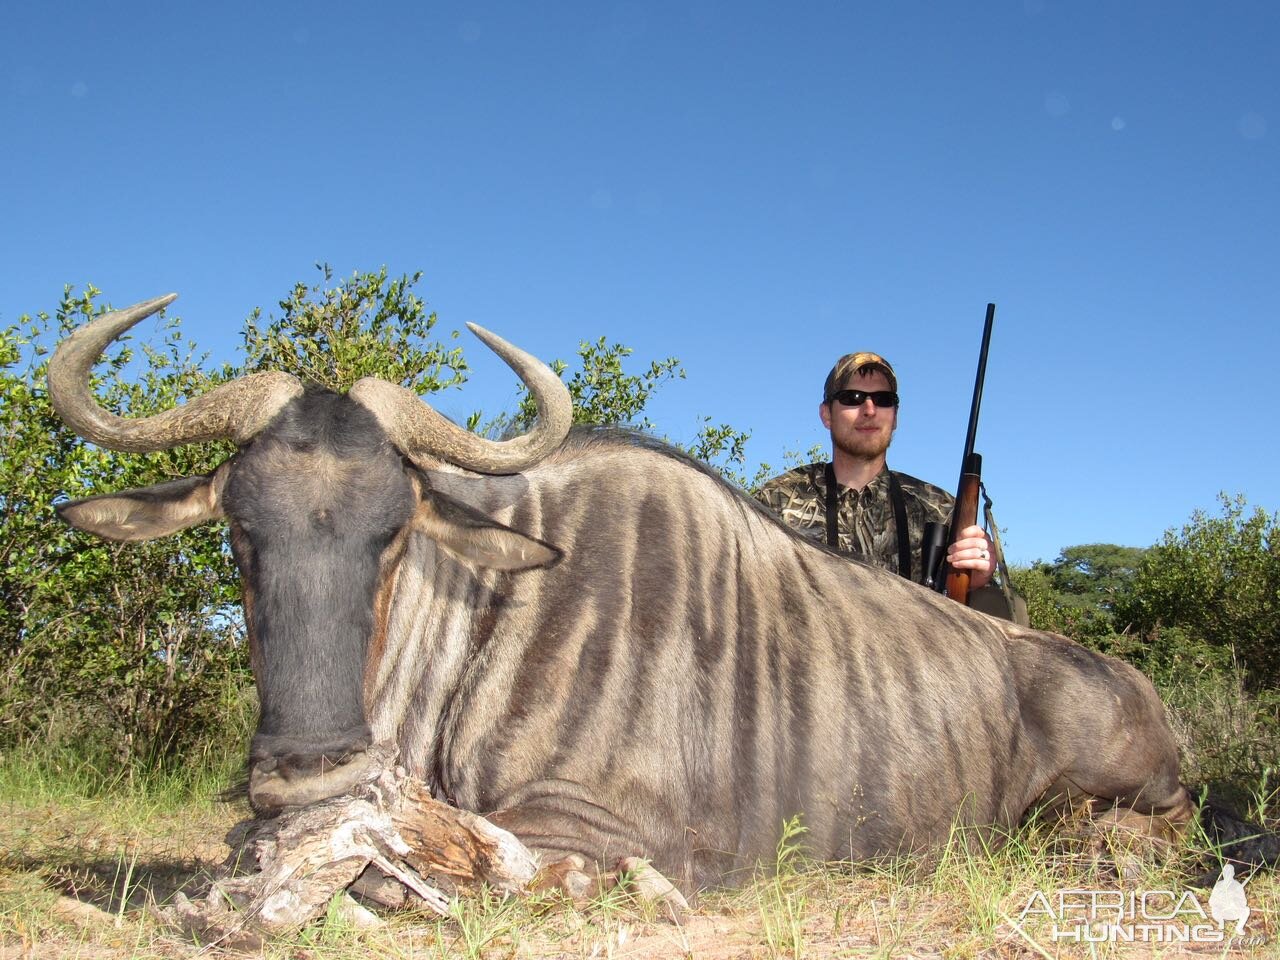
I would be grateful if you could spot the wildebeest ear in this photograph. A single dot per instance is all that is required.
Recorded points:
(471, 535)
(148, 512)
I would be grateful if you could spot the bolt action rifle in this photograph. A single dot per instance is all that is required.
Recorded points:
(955, 583)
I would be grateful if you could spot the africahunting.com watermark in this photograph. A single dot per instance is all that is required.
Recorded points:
(1143, 916)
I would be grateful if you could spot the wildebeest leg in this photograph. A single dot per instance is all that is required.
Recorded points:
(571, 876)
(586, 849)
(1102, 732)
(1163, 824)
(1127, 837)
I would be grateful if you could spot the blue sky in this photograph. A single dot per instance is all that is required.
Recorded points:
(753, 188)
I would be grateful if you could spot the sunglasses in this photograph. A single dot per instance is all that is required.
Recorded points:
(856, 398)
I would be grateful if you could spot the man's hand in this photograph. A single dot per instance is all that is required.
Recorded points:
(974, 552)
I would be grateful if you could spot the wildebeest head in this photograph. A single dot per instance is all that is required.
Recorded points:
(319, 498)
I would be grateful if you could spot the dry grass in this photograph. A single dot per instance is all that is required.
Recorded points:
(77, 877)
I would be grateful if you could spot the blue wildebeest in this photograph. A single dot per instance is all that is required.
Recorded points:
(600, 645)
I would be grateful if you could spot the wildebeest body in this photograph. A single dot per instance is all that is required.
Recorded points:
(609, 650)
(695, 674)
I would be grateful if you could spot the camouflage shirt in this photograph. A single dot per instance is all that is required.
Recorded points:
(865, 523)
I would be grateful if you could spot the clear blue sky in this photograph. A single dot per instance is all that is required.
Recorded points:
(754, 188)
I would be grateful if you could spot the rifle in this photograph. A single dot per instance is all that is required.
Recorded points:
(955, 583)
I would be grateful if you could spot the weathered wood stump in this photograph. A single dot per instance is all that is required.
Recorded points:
(386, 841)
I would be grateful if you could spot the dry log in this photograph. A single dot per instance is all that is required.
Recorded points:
(387, 840)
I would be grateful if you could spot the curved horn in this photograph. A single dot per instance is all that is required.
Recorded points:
(235, 410)
(426, 437)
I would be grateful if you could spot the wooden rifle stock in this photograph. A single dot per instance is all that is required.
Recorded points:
(964, 515)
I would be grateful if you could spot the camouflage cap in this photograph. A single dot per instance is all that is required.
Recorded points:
(852, 363)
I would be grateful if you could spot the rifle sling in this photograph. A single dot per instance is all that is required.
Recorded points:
(899, 503)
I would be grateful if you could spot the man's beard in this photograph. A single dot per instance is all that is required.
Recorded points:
(860, 446)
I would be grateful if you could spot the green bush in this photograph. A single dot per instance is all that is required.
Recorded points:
(1076, 593)
(1212, 587)
(134, 636)
(367, 325)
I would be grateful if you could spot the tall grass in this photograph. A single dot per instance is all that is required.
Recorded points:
(783, 899)
(1228, 735)
(75, 754)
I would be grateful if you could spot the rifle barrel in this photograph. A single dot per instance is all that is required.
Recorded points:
(972, 435)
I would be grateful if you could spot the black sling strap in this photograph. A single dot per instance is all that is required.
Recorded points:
(833, 529)
(896, 499)
(900, 521)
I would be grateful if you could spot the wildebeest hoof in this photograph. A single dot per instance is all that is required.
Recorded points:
(653, 888)
(568, 876)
